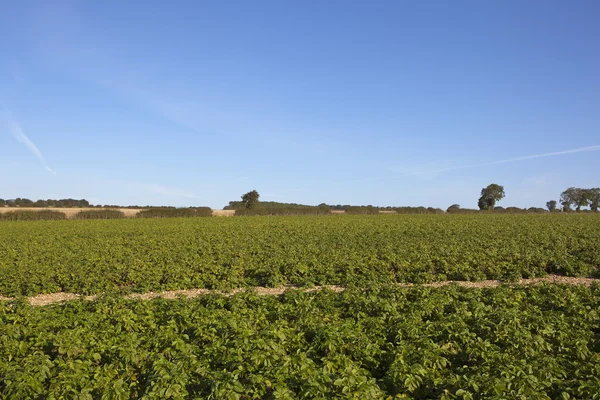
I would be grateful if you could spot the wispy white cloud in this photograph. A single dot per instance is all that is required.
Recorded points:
(423, 172)
(17, 132)
(531, 157)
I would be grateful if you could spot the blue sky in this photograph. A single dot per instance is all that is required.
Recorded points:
(375, 102)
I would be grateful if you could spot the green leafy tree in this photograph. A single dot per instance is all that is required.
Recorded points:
(593, 197)
(581, 198)
(574, 197)
(250, 199)
(551, 205)
(490, 195)
(453, 208)
(567, 198)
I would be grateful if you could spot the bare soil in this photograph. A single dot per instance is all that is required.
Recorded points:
(47, 299)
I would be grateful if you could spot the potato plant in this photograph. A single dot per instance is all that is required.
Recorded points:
(139, 255)
(384, 342)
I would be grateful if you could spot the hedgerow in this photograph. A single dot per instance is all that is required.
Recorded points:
(99, 214)
(362, 210)
(418, 210)
(287, 210)
(25, 215)
(175, 212)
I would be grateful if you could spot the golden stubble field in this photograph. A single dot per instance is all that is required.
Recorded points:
(129, 212)
(70, 212)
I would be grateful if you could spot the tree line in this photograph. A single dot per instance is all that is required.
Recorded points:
(489, 197)
(62, 203)
(66, 203)
(577, 197)
(572, 199)
(250, 205)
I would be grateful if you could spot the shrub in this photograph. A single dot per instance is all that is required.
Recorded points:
(290, 209)
(454, 210)
(362, 210)
(99, 214)
(26, 215)
(418, 210)
(175, 212)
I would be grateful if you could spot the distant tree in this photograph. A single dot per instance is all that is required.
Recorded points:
(551, 205)
(593, 197)
(453, 208)
(22, 202)
(250, 199)
(581, 198)
(2, 202)
(574, 196)
(490, 195)
(324, 207)
(482, 204)
(537, 210)
(40, 203)
(567, 198)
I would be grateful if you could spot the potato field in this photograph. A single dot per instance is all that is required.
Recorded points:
(375, 340)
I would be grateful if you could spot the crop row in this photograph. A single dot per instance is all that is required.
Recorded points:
(536, 342)
(139, 255)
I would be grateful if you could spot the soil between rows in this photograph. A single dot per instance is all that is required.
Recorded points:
(53, 298)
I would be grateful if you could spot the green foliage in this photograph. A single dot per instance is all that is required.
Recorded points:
(140, 255)
(273, 205)
(25, 215)
(490, 195)
(175, 212)
(287, 209)
(580, 198)
(362, 210)
(250, 199)
(517, 210)
(22, 202)
(567, 198)
(99, 214)
(538, 342)
(551, 205)
(276, 208)
(593, 198)
(375, 209)
(453, 208)
(418, 210)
